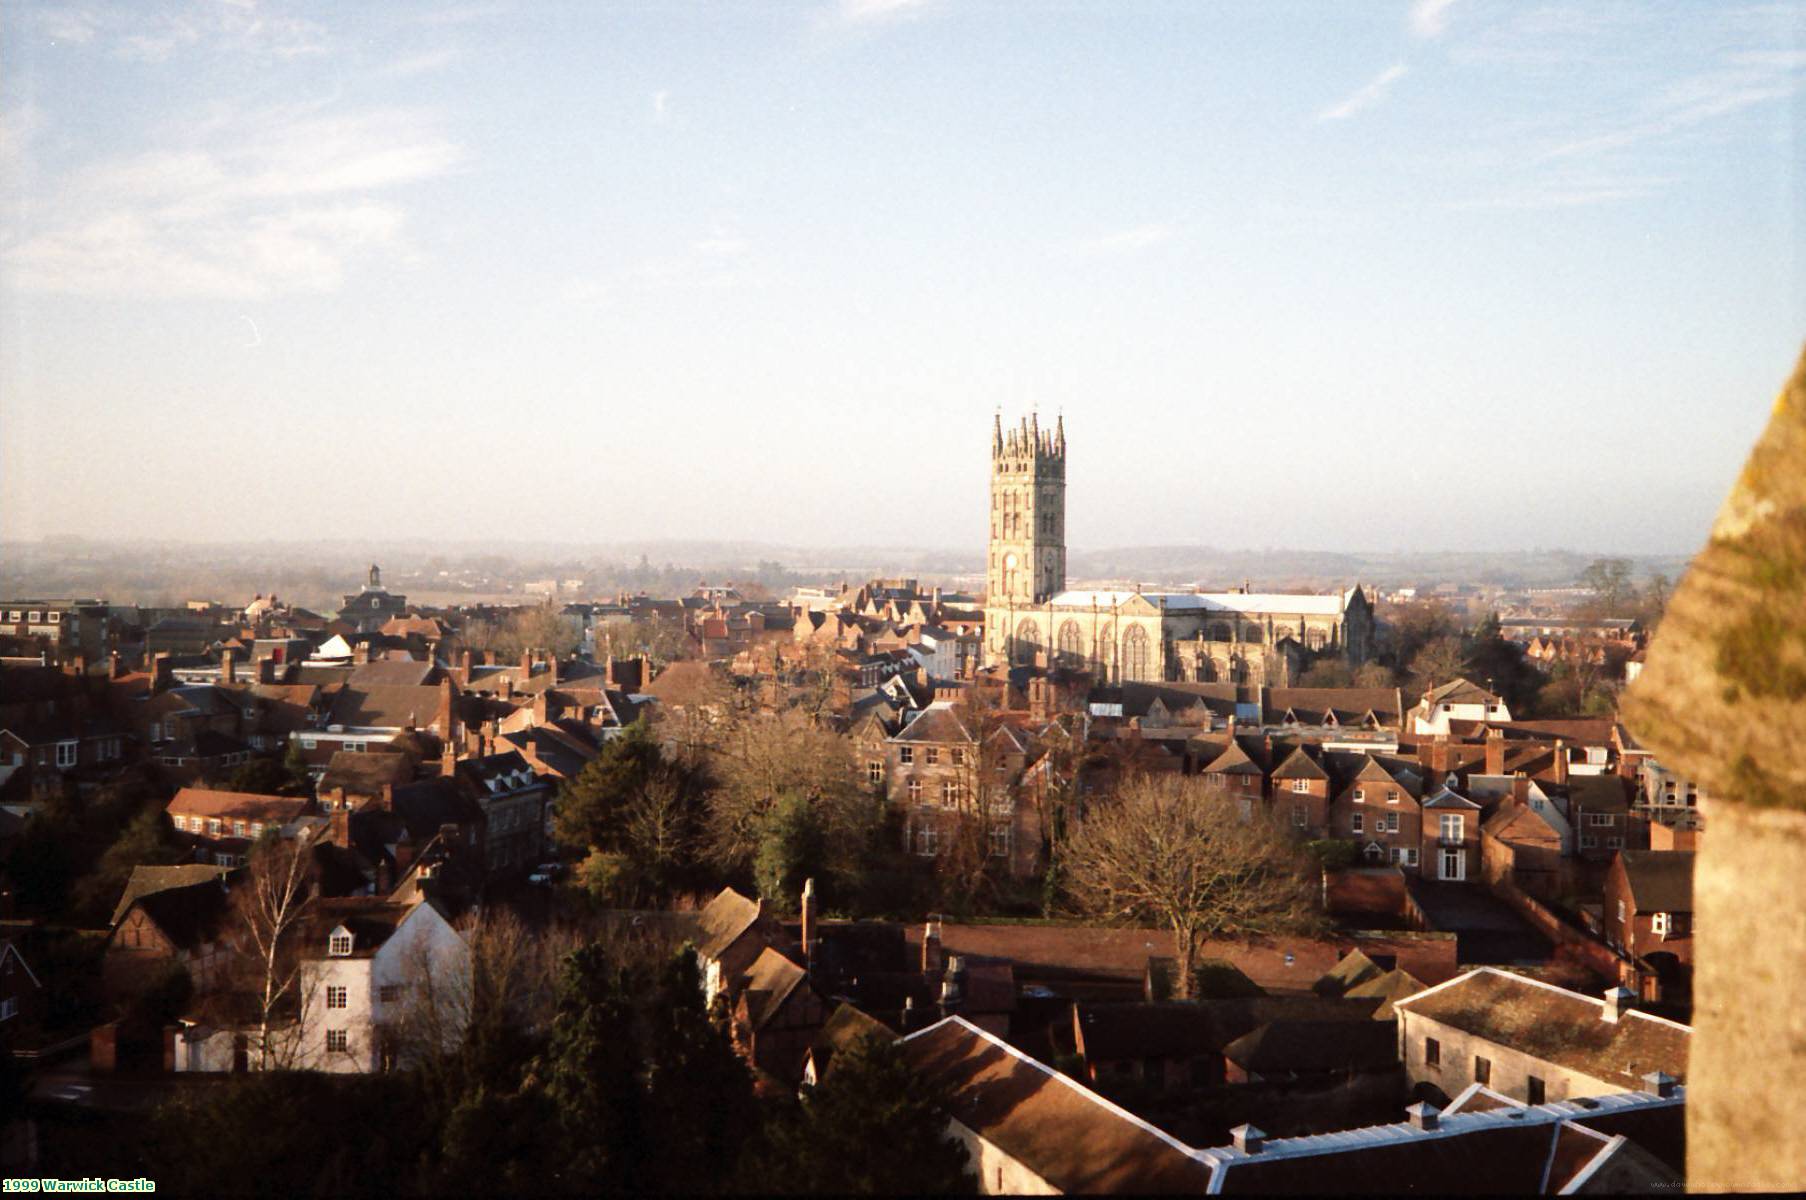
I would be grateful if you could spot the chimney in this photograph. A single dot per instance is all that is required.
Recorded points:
(228, 666)
(1617, 1001)
(541, 709)
(1495, 751)
(1520, 787)
(115, 668)
(360, 653)
(1247, 1139)
(1561, 762)
(552, 667)
(338, 828)
(809, 922)
(526, 664)
(387, 799)
(953, 985)
(1423, 1116)
(443, 719)
(1659, 1083)
(159, 673)
(507, 685)
(932, 959)
(448, 758)
(464, 665)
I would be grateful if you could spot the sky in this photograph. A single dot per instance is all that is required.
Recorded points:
(1444, 274)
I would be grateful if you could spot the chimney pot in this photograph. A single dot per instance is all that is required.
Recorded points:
(1659, 1083)
(1617, 1000)
(1423, 1115)
(1248, 1139)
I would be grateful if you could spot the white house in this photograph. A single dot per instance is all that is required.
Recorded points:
(372, 968)
(1457, 700)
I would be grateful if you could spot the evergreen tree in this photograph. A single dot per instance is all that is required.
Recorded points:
(873, 1127)
(590, 1080)
(699, 1095)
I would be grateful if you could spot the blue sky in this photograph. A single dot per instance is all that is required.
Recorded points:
(1483, 274)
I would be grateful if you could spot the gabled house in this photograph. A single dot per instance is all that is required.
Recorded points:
(777, 1016)
(188, 925)
(1457, 700)
(732, 931)
(1377, 809)
(1648, 913)
(369, 966)
(1451, 836)
(1301, 788)
(221, 826)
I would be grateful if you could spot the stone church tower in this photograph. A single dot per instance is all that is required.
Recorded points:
(1027, 560)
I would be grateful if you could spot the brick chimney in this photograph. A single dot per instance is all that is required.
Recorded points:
(1617, 1001)
(443, 719)
(115, 668)
(338, 828)
(386, 800)
(526, 664)
(541, 709)
(953, 985)
(1520, 787)
(932, 959)
(228, 666)
(1495, 751)
(360, 653)
(464, 666)
(1561, 762)
(448, 758)
(552, 667)
(160, 675)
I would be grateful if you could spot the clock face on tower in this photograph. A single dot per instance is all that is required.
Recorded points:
(1009, 560)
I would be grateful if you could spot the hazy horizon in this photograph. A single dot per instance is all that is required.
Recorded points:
(1468, 274)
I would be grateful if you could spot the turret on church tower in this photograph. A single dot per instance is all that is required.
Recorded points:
(1027, 557)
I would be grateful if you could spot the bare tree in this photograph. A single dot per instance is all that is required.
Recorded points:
(758, 757)
(1181, 853)
(270, 906)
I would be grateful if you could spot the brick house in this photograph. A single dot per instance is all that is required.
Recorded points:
(1301, 788)
(1378, 810)
(221, 826)
(942, 774)
(1648, 913)
(1450, 845)
(1600, 811)
(186, 925)
(777, 1015)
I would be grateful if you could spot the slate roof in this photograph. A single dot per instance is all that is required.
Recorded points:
(189, 915)
(1283, 1046)
(1556, 1025)
(427, 804)
(1349, 705)
(936, 723)
(1600, 793)
(391, 673)
(385, 707)
(1460, 691)
(724, 919)
(371, 920)
(145, 881)
(364, 774)
(767, 984)
(845, 1027)
(1299, 765)
(1660, 880)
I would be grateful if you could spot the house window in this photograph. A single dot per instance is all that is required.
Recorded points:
(928, 842)
(1658, 924)
(337, 997)
(959, 757)
(1300, 815)
(1432, 1052)
(1000, 842)
(389, 993)
(1301, 785)
(256, 828)
(1588, 841)
(906, 755)
(1534, 1091)
(65, 754)
(337, 1040)
(214, 826)
(931, 755)
(949, 794)
(1451, 825)
(1598, 819)
(308, 743)
(1482, 1069)
(1355, 824)
(1360, 796)
(915, 791)
(874, 772)
(339, 945)
(1391, 795)
(239, 829)
(1404, 856)
(1614, 843)
(1620, 912)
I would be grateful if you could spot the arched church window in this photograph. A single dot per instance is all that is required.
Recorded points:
(1314, 638)
(1219, 632)
(1136, 656)
(1028, 640)
(1072, 645)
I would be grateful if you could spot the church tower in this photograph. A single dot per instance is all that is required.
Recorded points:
(1027, 561)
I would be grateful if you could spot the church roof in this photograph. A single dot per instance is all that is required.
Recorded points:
(1301, 604)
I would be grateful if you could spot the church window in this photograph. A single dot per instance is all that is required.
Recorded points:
(1072, 644)
(1136, 664)
(1028, 639)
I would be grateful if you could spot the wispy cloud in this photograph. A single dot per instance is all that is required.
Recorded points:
(1570, 191)
(860, 12)
(1430, 18)
(155, 33)
(1745, 81)
(1128, 241)
(424, 62)
(1366, 96)
(246, 205)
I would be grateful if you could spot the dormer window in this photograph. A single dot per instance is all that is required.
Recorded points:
(1360, 796)
(338, 944)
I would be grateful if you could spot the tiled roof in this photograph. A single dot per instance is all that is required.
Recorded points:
(1660, 880)
(205, 802)
(936, 723)
(1556, 1025)
(1054, 1126)
(725, 918)
(147, 880)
